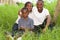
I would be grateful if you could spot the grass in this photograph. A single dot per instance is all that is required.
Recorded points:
(8, 16)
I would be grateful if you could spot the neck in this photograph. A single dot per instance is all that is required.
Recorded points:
(25, 18)
(40, 11)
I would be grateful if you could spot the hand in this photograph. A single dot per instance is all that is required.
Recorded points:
(21, 27)
(44, 30)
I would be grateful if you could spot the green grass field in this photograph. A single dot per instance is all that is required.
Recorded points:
(8, 16)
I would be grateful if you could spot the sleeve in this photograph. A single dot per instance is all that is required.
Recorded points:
(47, 12)
(32, 24)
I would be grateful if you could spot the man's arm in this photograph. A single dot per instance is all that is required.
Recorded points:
(48, 20)
(47, 23)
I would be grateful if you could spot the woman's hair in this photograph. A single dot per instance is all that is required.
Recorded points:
(25, 7)
(28, 3)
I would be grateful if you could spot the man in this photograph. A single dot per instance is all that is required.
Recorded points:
(39, 15)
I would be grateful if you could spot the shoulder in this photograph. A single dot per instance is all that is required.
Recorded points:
(45, 9)
(20, 20)
(34, 8)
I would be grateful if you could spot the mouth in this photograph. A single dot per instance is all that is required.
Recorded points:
(39, 8)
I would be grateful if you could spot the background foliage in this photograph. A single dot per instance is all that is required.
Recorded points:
(8, 16)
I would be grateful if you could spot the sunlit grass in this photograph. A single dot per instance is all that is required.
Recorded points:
(8, 16)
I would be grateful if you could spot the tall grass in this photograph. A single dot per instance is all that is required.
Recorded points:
(8, 16)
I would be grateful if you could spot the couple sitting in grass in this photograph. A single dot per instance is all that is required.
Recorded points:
(32, 18)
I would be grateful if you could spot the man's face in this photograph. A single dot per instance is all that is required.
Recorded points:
(40, 5)
(25, 14)
(29, 6)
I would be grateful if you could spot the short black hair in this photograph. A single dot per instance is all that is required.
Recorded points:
(28, 3)
(24, 9)
(41, 0)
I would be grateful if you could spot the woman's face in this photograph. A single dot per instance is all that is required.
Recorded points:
(29, 6)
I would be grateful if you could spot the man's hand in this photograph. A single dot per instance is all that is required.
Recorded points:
(48, 23)
(44, 30)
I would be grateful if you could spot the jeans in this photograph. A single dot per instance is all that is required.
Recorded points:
(14, 29)
(38, 28)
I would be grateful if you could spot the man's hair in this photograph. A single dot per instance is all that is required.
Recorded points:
(28, 3)
(40, 0)
(24, 9)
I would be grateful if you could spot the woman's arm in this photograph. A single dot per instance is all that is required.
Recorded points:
(19, 13)
(19, 16)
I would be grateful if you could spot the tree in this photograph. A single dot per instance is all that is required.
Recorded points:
(57, 10)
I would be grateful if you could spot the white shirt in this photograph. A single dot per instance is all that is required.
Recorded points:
(37, 17)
